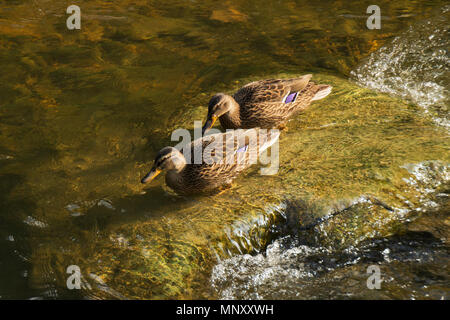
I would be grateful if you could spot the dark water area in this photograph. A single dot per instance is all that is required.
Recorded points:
(83, 113)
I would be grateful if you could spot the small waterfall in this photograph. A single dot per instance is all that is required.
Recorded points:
(414, 66)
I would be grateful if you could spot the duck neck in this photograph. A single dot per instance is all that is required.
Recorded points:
(232, 118)
(174, 179)
(174, 176)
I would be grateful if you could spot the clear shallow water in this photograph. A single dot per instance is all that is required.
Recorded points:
(83, 113)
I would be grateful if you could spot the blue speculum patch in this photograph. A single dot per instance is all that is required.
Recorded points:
(291, 97)
(243, 149)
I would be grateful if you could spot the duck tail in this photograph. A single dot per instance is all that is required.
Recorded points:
(321, 91)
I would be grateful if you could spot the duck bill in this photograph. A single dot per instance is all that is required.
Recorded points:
(151, 175)
(208, 124)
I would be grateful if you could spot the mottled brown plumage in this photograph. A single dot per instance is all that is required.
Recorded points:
(217, 167)
(264, 103)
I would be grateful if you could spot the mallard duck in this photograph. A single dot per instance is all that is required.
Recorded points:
(223, 156)
(265, 104)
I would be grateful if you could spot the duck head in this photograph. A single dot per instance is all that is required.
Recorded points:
(167, 159)
(218, 105)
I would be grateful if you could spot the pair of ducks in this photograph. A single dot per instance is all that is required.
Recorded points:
(262, 104)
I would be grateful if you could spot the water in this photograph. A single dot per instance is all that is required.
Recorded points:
(82, 114)
(415, 65)
(301, 264)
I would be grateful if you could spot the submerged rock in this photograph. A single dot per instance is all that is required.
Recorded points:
(338, 186)
(330, 257)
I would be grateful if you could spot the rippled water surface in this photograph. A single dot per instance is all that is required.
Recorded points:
(363, 179)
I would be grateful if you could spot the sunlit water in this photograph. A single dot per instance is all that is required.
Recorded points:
(363, 176)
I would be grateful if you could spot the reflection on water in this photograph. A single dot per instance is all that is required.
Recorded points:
(82, 113)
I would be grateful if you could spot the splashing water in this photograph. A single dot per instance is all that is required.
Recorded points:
(299, 265)
(292, 271)
(415, 66)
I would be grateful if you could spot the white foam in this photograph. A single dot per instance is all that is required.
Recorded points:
(414, 66)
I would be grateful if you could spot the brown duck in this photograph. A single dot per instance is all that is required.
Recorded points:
(264, 104)
(223, 156)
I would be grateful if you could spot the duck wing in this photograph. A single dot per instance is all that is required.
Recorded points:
(271, 90)
(238, 149)
(224, 157)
